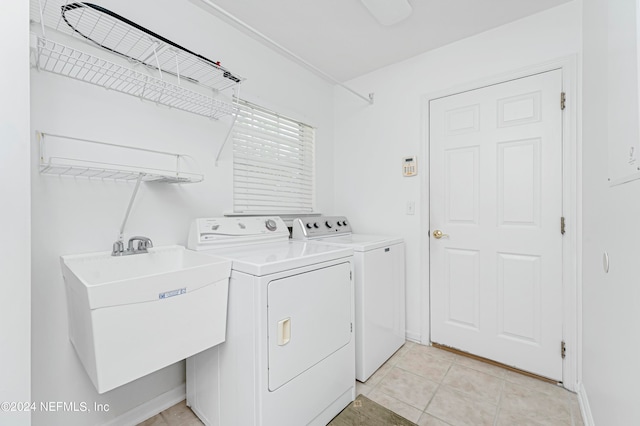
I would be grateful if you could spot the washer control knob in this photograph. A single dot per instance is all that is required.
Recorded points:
(329, 225)
(315, 225)
(309, 226)
(344, 223)
(271, 224)
(339, 223)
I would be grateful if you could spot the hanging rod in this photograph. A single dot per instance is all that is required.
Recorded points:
(297, 58)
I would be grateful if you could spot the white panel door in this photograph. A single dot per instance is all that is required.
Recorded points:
(496, 196)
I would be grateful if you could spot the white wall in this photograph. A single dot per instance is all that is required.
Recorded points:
(371, 140)
(611, 302)
(15, 354)
(78, 216)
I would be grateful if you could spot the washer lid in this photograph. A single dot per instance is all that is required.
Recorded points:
(270, 258)
(362, 242)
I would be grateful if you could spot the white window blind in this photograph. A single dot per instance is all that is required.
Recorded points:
(273, 163)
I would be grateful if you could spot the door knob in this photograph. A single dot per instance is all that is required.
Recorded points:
(437, 234)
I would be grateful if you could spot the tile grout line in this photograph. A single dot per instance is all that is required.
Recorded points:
(502, 378)
(423, 411)
(499, 406)
(436, 391)
(374, 387)
(494, 363)
(455, 361)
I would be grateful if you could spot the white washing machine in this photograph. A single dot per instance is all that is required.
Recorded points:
(288, 358)
(380, 287)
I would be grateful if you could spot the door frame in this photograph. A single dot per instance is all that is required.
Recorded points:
(571, 207)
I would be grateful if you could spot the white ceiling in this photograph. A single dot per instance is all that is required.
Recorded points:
(343, 40)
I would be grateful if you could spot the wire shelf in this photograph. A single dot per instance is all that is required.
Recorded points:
(156, 69)
(104, 171)
(60, 59)
(55, 159)
(108, 30)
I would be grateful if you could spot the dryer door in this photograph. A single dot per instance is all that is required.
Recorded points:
(309, 317)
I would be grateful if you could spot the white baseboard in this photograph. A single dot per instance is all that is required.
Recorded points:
(585, 409)
(414, 337)
(150, 408)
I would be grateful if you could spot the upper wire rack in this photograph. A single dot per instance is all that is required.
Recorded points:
(137, 44)
(60, 59)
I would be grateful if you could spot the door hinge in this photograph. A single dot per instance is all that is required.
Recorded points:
(563, 100)
(351, 275)
(562, 225)
(563, 350)
(352, 327)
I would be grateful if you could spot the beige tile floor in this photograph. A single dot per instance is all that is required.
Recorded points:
(432, 387)
(178, 415)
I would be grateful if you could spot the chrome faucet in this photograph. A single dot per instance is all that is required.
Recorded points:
(144, 243)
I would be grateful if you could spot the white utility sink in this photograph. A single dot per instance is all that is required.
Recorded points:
(132, 315)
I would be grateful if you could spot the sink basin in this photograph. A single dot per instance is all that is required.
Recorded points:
(132, 315)
(113, 280)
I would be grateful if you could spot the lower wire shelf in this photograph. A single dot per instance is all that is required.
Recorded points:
(105, 171)
(55, 159)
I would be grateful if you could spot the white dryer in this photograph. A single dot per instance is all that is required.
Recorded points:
(380, 287)
(288, 358)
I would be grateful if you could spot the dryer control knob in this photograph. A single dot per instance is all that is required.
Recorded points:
(271, 224)
(309, 226)
(329, 225)
(315, 225)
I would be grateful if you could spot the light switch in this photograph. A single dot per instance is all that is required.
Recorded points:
(411, 207)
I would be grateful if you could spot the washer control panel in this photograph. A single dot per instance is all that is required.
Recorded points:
(206, 233)
(319, 226)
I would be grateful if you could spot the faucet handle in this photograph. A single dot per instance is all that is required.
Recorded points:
(144, 244)
(118, 248)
